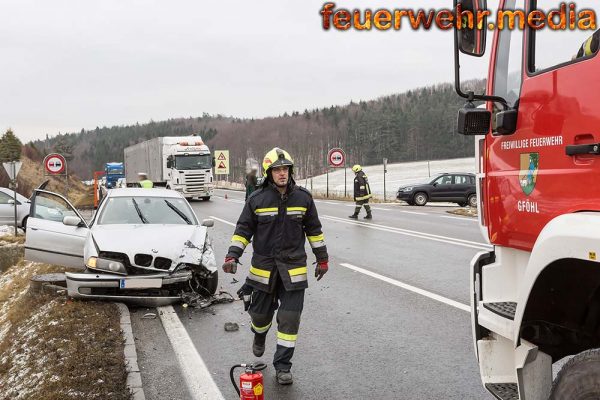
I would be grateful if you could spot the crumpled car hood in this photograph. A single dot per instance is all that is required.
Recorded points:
(180, 243)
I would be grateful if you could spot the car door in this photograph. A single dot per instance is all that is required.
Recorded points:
(441, 188)
(7, 210)
(52, 237)
(460, 187)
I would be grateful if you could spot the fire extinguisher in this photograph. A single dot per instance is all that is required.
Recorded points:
(251, 381)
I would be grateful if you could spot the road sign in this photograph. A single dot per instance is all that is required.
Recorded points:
(55, 164)
(336, 158)
(12, 169)
(222, 165)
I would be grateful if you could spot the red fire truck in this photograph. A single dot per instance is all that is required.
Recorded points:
(536, 297)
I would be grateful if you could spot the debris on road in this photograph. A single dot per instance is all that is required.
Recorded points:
(149, 315)
(231, 327)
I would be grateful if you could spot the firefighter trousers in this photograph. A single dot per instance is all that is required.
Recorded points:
(359, 205)
(288, 305)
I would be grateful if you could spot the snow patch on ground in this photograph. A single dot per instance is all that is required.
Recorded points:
(6, 230)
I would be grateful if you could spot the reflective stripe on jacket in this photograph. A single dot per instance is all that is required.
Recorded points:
(362, 190)
(278, 226)
(146, 184)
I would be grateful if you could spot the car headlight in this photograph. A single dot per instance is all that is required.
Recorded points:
(103, 264)
(407, 189)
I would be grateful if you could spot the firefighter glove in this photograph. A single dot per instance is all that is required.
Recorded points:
(321, 269)
(245, 294)
(230, 265)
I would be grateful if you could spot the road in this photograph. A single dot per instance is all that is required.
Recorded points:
(389, 320)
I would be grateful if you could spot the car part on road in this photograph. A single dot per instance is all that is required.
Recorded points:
(198, 301)
(420, 199)
(231, 327)
(251, 381)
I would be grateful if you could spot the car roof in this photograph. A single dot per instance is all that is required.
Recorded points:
(455, 173)
(11, 192)
(129, 192)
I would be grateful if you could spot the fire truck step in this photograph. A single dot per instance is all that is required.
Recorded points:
(503, 391)
(506, 309)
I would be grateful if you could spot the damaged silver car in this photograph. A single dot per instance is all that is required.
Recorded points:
(143, 246)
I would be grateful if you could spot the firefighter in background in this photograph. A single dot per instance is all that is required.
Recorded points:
(144, 182)
(251, 181)
(362, 192)
(590, 46)
(280, 216)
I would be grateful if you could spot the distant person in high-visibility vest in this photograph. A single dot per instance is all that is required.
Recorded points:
(144, 182)
(362, 192)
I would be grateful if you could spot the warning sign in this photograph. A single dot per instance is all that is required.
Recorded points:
(222, 167)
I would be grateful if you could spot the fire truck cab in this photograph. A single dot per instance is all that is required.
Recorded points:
(535, 299)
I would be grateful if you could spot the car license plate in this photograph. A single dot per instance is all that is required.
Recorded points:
(139, 283)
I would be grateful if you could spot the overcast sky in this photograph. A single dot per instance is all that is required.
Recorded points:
(68, 65)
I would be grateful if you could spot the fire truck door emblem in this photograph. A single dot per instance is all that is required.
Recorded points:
(528, 172)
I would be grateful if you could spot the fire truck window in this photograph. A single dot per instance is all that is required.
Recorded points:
(509, 61)
(553, 47)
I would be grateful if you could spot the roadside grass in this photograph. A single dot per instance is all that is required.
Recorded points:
(19, 239)
(54, 348)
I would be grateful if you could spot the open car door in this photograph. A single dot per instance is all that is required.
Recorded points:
(56, 232)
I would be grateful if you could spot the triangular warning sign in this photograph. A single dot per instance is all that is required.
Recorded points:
(222, 165)
(221, 157)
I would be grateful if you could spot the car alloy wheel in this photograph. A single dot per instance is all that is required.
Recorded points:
(473, 200)
(420, 199)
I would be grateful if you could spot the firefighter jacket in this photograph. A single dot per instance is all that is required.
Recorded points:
(362, 190)
(280, 225)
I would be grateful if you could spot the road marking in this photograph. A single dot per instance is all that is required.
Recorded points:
(414, 212)
(407, 232)
(408, 287)
(222, 220)
(461, 218)
(197, 376)
(332, 202)
(382, 209)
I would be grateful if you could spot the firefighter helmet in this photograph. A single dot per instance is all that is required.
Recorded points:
(356, 168)
(277, 158)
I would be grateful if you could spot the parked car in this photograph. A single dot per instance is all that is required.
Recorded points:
(7, 208)
(142, 246)
(451, 187)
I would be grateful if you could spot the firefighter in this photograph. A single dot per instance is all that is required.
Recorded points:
(280, 216)
(362, 192)
(251, 181)
(144, 182)
(590, 46)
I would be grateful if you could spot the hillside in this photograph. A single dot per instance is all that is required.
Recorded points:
(415, 125)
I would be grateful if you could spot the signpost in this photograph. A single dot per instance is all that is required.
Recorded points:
(222, 162)
(56, 165)
(336, 158)
(384, 172)
(12, 169)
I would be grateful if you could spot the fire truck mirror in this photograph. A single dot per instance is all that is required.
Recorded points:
(506, 122)
(471, 30)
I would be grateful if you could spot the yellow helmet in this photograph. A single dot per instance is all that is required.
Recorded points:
(356, 168)
(276, 158)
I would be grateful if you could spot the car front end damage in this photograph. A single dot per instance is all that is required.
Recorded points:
(146, 270)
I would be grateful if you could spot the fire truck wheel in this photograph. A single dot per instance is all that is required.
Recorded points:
(420, 199)
(472, 200)
(578, 378)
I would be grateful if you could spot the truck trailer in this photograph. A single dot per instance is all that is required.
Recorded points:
(182, 163)
(535, 299)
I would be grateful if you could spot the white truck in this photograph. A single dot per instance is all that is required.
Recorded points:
(182, 163)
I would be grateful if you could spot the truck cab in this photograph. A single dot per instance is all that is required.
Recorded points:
(535, 299)
(113, 171)
(189, 168)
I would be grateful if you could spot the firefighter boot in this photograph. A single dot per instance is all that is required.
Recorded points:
(368, 216)
(353, 216)
(258, 346)
(285, 377)
(368, 210)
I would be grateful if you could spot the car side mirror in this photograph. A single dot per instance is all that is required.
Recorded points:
(214, 162)
(71, 220)
(434, 184)
(506, 122)
(11, 201)
(209, 223)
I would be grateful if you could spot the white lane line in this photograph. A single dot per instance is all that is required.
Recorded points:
(415, 212)
(407, 232)
(408, 287)
(222, 220)
(461, 218)
(197, 376)
(332, 202)
(382, 209)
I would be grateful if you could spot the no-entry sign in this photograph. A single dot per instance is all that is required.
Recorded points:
(336, 158)
(55, 164)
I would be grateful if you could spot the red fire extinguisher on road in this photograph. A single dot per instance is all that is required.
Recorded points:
(251, 381)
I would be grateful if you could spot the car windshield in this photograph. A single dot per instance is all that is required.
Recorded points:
(146, 210)
(193, 162)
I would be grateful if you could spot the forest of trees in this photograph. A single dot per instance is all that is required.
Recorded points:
(415, 125)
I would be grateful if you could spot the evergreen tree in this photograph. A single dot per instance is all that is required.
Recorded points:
(10, 147)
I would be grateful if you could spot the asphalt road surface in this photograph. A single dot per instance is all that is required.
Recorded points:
(389, 320)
